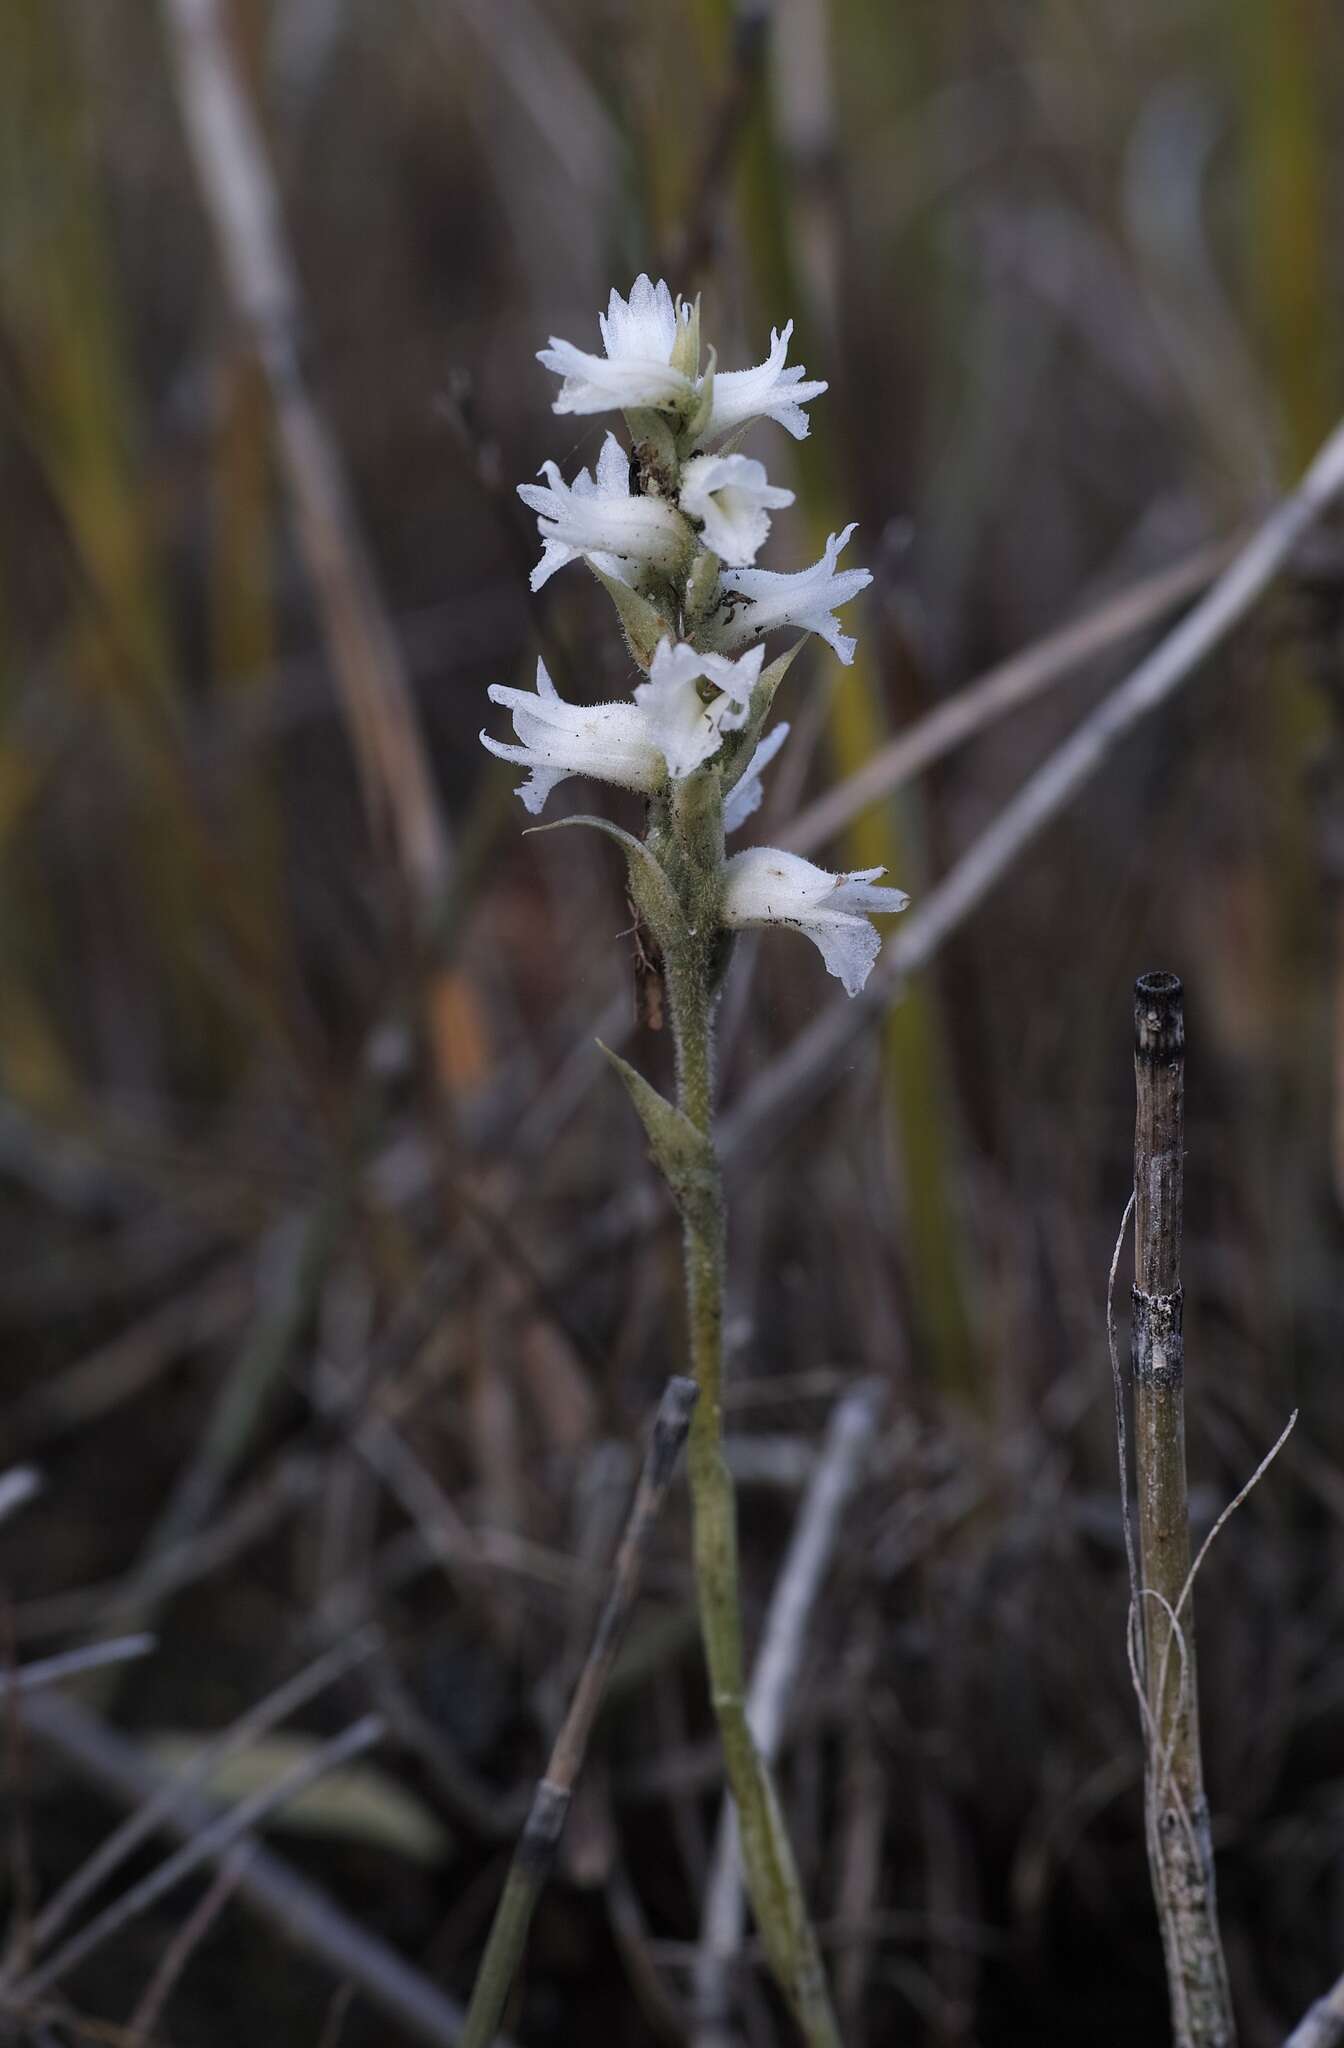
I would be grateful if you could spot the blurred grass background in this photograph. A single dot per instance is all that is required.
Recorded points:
(1074, 275)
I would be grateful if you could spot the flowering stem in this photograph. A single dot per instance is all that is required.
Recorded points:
(770, 1870)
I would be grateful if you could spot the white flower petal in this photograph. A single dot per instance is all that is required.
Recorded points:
(733, 498)
(638, 336)
(767, 392)
(612, 470)
(687, 730)
(645, 325)
(592, 384)
(682, 729)
(602, 519)
(744, 797)
(611, 742)
(848, 945)
(807, 599)
(764, 885)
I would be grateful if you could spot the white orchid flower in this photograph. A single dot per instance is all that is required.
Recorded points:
(766, 886)
(732, 497)
(767, 392)
(603, 520)
(807, 599)
(686, 730)
(668, 730)
(744, 797)
(639, 336)
(611, 742)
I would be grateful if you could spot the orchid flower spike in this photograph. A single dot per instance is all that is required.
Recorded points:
(639, 336)
(611, 742)
(767, 392)
(766, 886)
(621, 532)
(686, 730)
(732, 499)
(759, 599)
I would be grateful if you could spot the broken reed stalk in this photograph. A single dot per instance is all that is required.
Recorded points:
(540, 1838)
(1180, 1849)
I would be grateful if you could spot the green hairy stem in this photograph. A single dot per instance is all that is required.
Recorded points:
(769, 1867)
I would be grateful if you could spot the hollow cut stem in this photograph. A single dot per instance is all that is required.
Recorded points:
(1180, 1847)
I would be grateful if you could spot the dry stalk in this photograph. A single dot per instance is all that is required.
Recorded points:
(1322, 2025)
(542, 1829)
(239, 189)
(176, 1791)
(300, 1913)
(74, 1663)
(210, 1844)
(17, 1487)
(144, 2021)
(1180, 1847)
(848, 1440)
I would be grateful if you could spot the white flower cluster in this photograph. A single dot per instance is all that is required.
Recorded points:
(673, 530)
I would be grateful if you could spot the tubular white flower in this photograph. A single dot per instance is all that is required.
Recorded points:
(807, 599)
(763, 885)
(767, 392)
(639, 336)
(745, 795)
(612, 742)
(733, 498)
(603, 520)
(684, 728)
